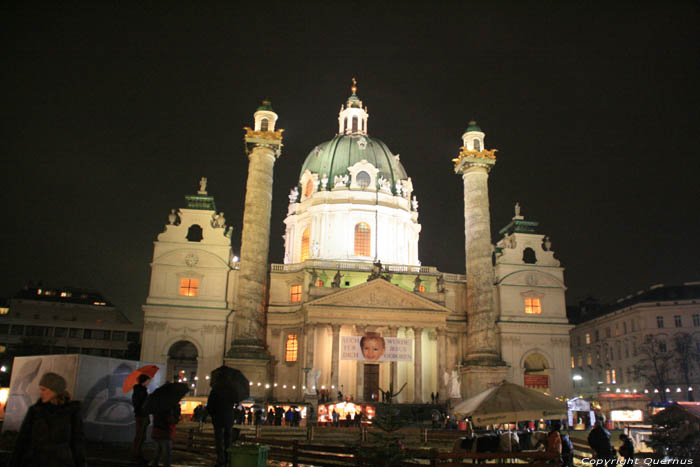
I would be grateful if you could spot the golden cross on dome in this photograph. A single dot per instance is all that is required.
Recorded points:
(354, 86)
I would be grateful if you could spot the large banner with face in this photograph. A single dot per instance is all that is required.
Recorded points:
(375, 348)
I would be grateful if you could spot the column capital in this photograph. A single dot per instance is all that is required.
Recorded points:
(336, 328)
(417, 329)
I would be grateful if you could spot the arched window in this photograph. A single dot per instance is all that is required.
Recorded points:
(362, 239)
(354, 124)
(363, 124)
(194, 233)
(529, 256)
(345, 125)
(305, 237)
(308, 188)
(264, 124)
(477, 145)
(363, 179)
(291, 349)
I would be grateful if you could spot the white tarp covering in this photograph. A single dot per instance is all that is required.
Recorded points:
(508, 403)
(94, 381)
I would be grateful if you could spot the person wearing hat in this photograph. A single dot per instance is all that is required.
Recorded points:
(51, 434)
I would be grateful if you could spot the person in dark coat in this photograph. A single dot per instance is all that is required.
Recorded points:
(627, 449)
(163, 433)
(51, 434)
(138, 400)
(599, 441)
(220, 407)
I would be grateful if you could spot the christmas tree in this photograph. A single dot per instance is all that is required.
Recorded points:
(385, 449)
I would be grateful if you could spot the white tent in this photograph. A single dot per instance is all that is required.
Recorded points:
(509, 403)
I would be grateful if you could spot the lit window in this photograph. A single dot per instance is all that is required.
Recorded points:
(612, 374)
(677, 321)
(362, 239)
(305, 240)
(589, 359)
(573, 362)
(65, 294)
(660, 322)
(580, 360)
(291, 350)
(189, 287)
(533, 306)
(308, 188)
(588, 338)
(607, 376)
(295, 293)
(4, 310)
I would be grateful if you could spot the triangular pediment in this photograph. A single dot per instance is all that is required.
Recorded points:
(378, 294)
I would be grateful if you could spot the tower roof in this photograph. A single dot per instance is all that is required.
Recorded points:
(472, 126)
(266, 105)
(335, 156)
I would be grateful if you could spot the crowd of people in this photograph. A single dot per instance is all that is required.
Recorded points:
(52, 435)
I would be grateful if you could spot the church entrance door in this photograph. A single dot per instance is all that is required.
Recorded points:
(182, 362)
(371, 389)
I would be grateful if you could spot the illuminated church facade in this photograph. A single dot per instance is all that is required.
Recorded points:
(351, 268)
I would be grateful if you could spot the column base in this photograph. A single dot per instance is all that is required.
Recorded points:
(257, 370)
(479, 378)
(312, 413)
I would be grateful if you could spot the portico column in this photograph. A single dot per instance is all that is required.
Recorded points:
(394, 375)
(417, 365)
(441, 358)
(360, 373)
(310, 342)
(335, 355)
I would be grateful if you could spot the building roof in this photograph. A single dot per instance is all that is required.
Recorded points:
(335, 156)
(472, 126)
(654, 294)
(62, 295)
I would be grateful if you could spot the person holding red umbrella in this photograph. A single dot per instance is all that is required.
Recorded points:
(138, 400)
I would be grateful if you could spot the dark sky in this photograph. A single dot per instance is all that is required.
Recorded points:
(111, 114)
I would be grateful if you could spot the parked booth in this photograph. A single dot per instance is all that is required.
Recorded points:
(578, 409)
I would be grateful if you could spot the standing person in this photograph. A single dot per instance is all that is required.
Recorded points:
(138, 400)
(163, 433)
(599, 441)
(567, 451)
(554, 439)
(220, 406)
(432, 397)
(51, 434)
(627, 449)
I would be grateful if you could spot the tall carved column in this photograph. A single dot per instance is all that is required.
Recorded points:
(335, 355)
(360, 372)
(483, 354)
(310, 342)
(248, 351)
(418, 365)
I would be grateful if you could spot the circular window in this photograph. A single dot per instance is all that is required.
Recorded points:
(363, 179)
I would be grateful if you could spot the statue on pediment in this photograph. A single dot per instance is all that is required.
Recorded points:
(336, 280)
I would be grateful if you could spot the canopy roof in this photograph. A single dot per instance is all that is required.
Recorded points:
(508, 403)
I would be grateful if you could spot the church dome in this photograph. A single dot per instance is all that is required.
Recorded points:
(334, 157)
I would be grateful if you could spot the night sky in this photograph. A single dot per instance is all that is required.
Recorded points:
(111, 114)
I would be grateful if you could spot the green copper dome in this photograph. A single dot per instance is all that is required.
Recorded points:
(335, 156)
(472, 126)
(266, 105)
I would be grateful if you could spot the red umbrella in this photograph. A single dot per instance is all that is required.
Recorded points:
(132, 379)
